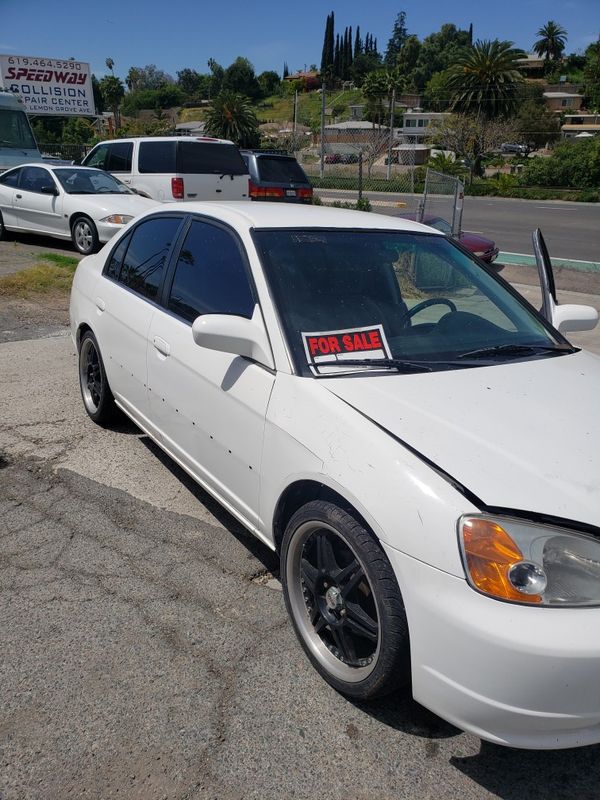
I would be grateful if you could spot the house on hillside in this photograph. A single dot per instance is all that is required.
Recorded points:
(309, 78)
(559, 101)
(580, 126)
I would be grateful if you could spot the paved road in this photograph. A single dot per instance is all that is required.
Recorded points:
(571, 230)
(145, 650)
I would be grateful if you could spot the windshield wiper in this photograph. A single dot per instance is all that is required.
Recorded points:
(383, 363)
(514, 350)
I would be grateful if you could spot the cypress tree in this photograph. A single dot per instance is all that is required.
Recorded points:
(357, 43)
(336, 57)
(330, 45)
(325, 43)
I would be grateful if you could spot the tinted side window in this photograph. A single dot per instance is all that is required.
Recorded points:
(210, 276)
(147, 253)
(10, 178)
(98, 157)
(282, 170)
(34, 178)
(113, 268)
(202, 158)
(157, 157)
(119, 157)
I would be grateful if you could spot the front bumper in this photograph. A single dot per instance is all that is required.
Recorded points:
(106, 230)
(514, 675)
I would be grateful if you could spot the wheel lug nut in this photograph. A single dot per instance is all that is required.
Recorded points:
(326, 585)
(342, 612)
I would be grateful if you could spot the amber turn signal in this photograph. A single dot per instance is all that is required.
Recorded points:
(490, 554)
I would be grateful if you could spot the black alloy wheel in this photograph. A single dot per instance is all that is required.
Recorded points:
(344, 601)
(95, 391)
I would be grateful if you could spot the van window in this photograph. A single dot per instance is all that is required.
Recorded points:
(157, 157)
(97, 158)
(280, 170)
(119, 157)
(202, 158)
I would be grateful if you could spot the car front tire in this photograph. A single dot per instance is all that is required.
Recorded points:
(84, 235)
(95, 391)
(344, 602)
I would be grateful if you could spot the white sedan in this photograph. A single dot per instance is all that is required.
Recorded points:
(83, 204)
(420, 445)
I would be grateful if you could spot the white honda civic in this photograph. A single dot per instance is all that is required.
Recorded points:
(420, 444)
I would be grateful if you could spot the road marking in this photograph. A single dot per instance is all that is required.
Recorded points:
(480, 232)
(527, 259)
(557, 208)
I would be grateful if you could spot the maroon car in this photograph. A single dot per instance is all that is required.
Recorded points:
(485, 249)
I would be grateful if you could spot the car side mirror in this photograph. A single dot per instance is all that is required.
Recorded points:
(240, 336)
(49, 190)
(569, 317)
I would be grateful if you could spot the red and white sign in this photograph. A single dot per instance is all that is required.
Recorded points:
(326, 347)
(49, 85)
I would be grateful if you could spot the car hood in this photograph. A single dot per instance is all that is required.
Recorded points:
(101, 205)
(522, 436)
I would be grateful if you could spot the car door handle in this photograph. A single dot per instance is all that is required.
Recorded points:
(100, 304)
(162, 346)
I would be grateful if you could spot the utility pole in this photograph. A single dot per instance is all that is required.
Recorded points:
(322, 170)
(391, 141)
(294, 148)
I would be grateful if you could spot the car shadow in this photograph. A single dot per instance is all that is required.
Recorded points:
(44, 243)
(260, 551)
(535, 774)
(400, 712)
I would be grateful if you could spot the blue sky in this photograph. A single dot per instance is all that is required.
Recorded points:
(179, 34)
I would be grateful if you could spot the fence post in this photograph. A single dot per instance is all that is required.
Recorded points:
(360, 174)
(322, 168)
(391, 141)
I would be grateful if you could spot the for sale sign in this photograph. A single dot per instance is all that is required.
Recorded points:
(326, 347)
(49, 85)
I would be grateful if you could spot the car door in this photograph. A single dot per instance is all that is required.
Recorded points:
(210, 406)
(126, 301)
(35, 207)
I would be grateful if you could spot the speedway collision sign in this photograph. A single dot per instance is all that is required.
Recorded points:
(49, 85)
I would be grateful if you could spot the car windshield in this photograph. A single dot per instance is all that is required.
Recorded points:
(412, 298)
(76, 180)
(439, 224)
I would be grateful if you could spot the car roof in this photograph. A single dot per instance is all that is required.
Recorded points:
(281, 215)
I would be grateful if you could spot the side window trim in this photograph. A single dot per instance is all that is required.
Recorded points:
(169, 275)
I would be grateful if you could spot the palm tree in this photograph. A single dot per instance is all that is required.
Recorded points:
(551, 43)
(484, 79)
(232, 117)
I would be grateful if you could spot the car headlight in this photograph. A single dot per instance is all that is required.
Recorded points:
(118, 219)
(479, 253)
(525, 562)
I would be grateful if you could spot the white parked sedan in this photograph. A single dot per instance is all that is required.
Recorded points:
(420, 445)
(83, 204)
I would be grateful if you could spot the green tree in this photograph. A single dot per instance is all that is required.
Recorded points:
(537, 125)
(269, 82)
(551, 43)
(591, 75)
(190, 82)
(397, 39)
(573, 164)
(110, 64)
(232, 117)
(216, 81)
(328, 47)
(438, 51)
(239, 78)
(435, 96)
(113, 91)
(484, 79)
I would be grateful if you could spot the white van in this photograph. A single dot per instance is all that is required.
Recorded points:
(169, 168)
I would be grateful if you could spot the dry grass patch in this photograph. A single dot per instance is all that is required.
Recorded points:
(53, 273)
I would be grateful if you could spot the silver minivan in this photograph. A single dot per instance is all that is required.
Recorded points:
(170, 168)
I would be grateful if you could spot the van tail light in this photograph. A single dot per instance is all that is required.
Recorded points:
(305, 194)
(177, 188)
(254, 191)
(274, 191)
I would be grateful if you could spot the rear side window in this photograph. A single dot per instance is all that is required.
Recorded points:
(157, 157)
(201, 158)
(280, 170)
(10, 178)
(119, 157)
(146, 256)
(210, 276)
(116, 259)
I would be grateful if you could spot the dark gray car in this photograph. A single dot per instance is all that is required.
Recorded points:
(276, 177)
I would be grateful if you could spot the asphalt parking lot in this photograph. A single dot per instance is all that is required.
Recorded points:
(145, 649)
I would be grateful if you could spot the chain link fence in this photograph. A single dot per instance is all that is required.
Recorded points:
(64, 152)
(443, 198)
